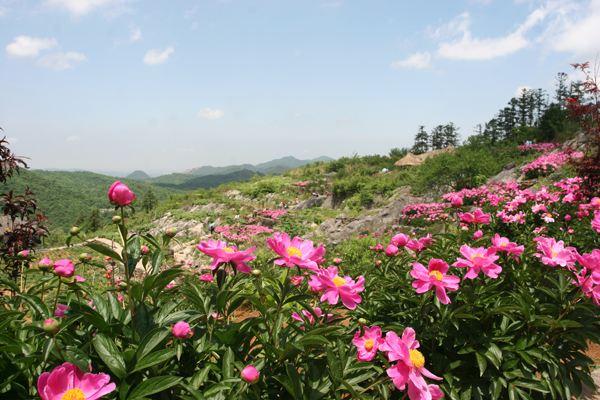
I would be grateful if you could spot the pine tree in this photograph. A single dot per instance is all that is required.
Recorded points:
(562, 89)
(421, 144)
(149, 202)
(94, 222)
(450, 135)
(437, 138)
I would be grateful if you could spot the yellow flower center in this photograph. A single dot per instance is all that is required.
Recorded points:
(339, 281)
(369, 343)
(228, 250)
(554, 253)
(294, 252)
(73, 394)
(417, 359)
(503, 243)
(476, 257)
(437, 275)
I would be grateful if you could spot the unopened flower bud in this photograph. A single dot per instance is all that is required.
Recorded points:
(256, 272)
(75, 231)
(51, 326)
(83, 257)
(116, 219)
(171, 232)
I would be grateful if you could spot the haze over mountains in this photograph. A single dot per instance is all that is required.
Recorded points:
(208, 176)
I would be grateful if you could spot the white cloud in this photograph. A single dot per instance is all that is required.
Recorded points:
(211, 113)
(27, 46)
(61, 61)
(135, 35)
(157, 56)
(520, 90)
(80, 7)
(579, 35)
(414, 61)
(72, 138)
(12, 140)
(464, 46)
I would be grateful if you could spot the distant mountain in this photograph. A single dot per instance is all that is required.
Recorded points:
(209, 181)
(276, 166)
(138, 175)
(65, 196)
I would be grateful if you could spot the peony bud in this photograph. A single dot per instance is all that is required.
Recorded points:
(362, 321)
(45, 264)
(83, 257)
(144, 249)
(171, 232)
(256, 272)
(182, 330)
(51, 326)
(74, 231)
(337, 261)
(116, 219)
(250, 374)
(119, 194)
(24, 253)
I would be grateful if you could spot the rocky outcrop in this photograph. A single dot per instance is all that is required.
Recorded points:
(184, 227)
(314, 201)
(387, 216)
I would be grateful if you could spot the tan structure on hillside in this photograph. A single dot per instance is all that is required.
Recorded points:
(411, 159)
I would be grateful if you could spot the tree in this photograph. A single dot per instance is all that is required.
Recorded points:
(94, 221)
(562, 89)
(450, 135)
(421, 144)
(149, 202)
(437, 138)
(397, 153)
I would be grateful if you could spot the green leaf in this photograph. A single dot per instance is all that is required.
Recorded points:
(154, 358)
(481, 361)
(110, 354)
(153, 385)
(105, 250)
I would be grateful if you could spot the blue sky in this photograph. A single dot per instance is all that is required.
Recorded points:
(117, 85)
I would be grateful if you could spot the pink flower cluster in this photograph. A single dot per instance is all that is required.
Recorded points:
(588, 278)
(550, 162)
(273, 214)
(541, 147)
(427, 211)
(407, 370)
(242, 233)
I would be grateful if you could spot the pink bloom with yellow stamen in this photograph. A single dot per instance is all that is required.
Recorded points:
(434, 277)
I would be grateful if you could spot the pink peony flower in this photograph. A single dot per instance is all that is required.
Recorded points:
(475, 217)
(296, 280)
(250, 374)
(400, 240)
(337, 261)
(68, 382)
(456, 200)
(553, 253)
(478, 259)
(596, 221)
(64, 268)
(367, 344)
(434, 277)
(478, 234)
(207, 278)
(418, 245)
(295, 252)
(410, 367)
(391, 250)
(221, 253)
(182, 330)
(61, 310)
(119, 194)
(79, 279)
(500, 243)
(336, 287)
(308, 316)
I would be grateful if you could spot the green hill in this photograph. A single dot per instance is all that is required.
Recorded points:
(211, 181)
(65, 196)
